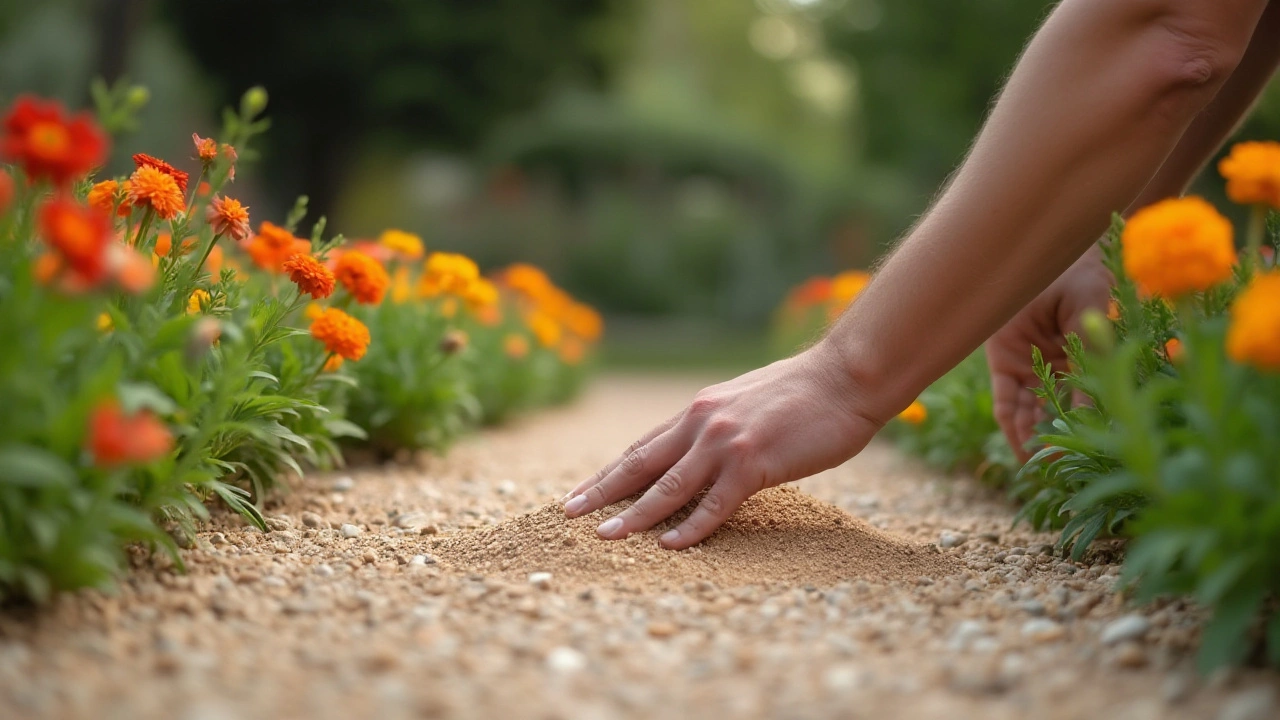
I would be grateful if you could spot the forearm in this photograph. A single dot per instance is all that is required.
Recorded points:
(1075, 136)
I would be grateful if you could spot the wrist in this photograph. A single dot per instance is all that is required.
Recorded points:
(857, 379)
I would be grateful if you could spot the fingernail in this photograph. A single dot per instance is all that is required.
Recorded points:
(575, 504)
(609, 527)
(670, 536)
(566, 497)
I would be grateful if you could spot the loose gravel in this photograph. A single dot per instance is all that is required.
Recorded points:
(453, 587)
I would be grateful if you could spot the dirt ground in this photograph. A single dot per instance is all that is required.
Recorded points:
(450, 587)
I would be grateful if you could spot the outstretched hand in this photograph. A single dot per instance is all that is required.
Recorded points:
(780, 423)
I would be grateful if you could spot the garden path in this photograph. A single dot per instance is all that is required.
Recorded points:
(409, 590)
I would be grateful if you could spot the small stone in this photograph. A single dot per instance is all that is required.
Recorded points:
(350, 531)
(1129, 654)
(428, 530)
(370, 557)
(950, 539)
(1258, 703)
(278, 523)
(506, 487)
(218, 539)
(662, 629)
(565, 660)
(1177, 687)
(965, 634)
(1129, 627)
(323, 570)
(411, 521)
(422, 560)
(344, 484)
(1033, 607)
(540, 580)
(1043, 630)
(313, 520)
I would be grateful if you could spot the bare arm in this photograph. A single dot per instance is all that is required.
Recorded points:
(1093, 110)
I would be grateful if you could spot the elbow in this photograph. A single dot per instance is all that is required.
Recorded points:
(1193, 47)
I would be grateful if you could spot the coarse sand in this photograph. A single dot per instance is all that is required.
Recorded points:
(780, 535)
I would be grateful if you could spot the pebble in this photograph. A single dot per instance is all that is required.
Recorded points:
(350, 531)
(313, 520)
(1257, 703)
(950, 539)
(506, 487)
(323, 570)
(411, 521)
(565, 660)
(1033, 607)
(1129, 627)
(422, 560)
(1129, 654)
(344, 484)
(662, 629)
(1043, 630)
(370, 557)
(540, 580)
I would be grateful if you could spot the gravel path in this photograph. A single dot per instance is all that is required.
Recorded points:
(427, 589)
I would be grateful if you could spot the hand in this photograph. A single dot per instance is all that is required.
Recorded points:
(1044, 323)
(780, 423)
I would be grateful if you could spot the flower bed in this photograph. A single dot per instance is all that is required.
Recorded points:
(160, 354)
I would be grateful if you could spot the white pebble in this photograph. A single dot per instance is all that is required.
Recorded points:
(506, 487)
(540, 580)
(323, 570)
(349, 530)
(344, 484)
(1042, 630)
(950, 539)
(566, 660)
(1253, 704)
(1129, 627)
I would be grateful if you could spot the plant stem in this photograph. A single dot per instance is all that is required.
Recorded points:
(143, 227)
(320, 369)
(207, 251)
(196, 188)
(1253, 236)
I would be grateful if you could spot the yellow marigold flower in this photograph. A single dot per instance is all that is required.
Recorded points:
(156, 189)
(544, 328)
(341, 334)
(228, 217)
(198, 300)
(1177, 246)
(449, 308)
(310, 275)
(1252, 171)
(405, 243)
(401, 288)
(1253, 337)
(362, 276)
(584, 321)
(105, 323)
(333, 363)
(447, 273)
(480, 294)
(516, 346)
(914, 414)
(572, 351)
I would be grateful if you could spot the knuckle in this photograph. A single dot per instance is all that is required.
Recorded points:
(720, 427)
(713, 504)
(743, 445)
(670, 484)
(703, 405)
(633, 463)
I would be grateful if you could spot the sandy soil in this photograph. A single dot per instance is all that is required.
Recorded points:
(447, 587)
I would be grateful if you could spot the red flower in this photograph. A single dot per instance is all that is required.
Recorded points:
(80, 234)
(119, 439)
(206, 148)
(48, 145)
(143, 160)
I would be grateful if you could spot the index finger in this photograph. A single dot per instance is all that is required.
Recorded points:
(603, 472)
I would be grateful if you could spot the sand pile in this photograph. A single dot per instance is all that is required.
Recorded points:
(780, 535)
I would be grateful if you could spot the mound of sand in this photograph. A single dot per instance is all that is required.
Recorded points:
(780, 535)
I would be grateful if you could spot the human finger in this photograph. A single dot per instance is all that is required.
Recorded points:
(603, 472)
(672, 491)
(724, 498)
(633, 473)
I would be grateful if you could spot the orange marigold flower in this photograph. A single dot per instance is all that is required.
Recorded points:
(341, 334)
(199, 300)
(273, 245)
(814, 291)
(1252, 171)
(50, 146)
(164, 245)
(119, 439)
(206, 148)
(228, 217)
(527, 280)
(404, 243)
(6, 191)
(203, 189)
(157, 190)
(79, 234)
(1173, 349)
(572, 351)
(447, 273)
(332, 363)
(846, 286)
(1178, 246)
(490, 315)
(313, 310)
(109, 197)
(1253, 337)
(516, 346)
(584, 321)
(46, 267)
(544, 328)
(480, 294)
(310, 275)
(362, 276)
(914, 414)
(142, 160)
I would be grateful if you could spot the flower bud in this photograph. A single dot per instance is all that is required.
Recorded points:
(1098, 330)
(454, 342)
(138, 97)
(253, 102)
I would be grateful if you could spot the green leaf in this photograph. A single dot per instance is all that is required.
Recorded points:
(139, 396)
(1223, 641)
(27, 466)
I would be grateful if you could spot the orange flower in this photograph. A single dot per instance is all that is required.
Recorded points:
(516, 346)
(273, 245)
(401, 242)
(119, 439)
(401, 290)
(46, 267)
(544, 328)
(447, 273)
(490, 315)
(203, 189)
(814, 291)
(313, 310)
(572, 351)
(80, 235)
(214, 262)
(310, 275)
(332, 363)
(1253, 337)
(914, 414)
(164, 245)
(480, 294)
(1173, 349)
(1252, 171)
(133, 272)
(362, 276)
(206, 148)
(228, 217)
(49, 146)
(1178, 246)
(142, 160)
(157, 190)
(108, 197)
(584, 321)
(341, 333)
(527, 280)
(6, 191)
